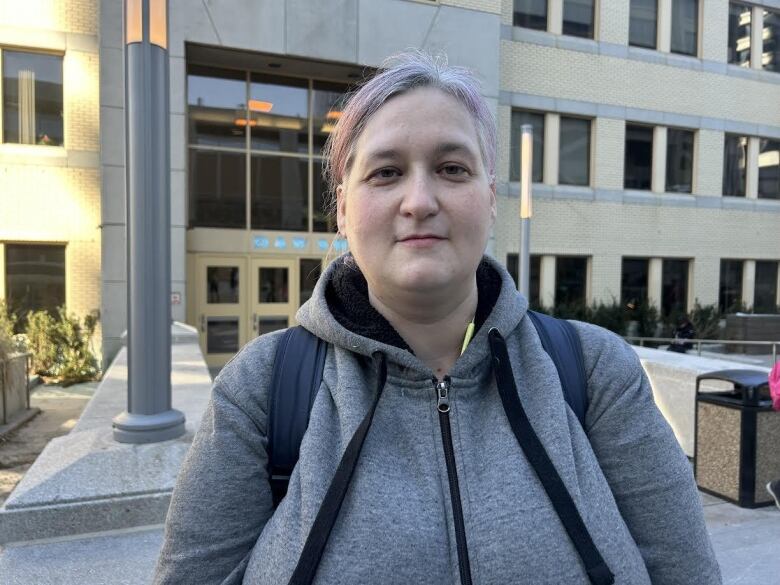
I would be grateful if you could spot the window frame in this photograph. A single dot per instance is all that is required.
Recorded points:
(625, 154)
(247, 150)
(654, 46)
(33, 51)
(546, 27)
(697, 42)
(513, 159)
(589, 142)
(750, 48)
(692, 132)
(593, 21)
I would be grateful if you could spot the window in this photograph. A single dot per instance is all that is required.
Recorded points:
(570, 280)
(217, 185)
(730, 294)
(679, 161)
(674, 287)
(574, 161)
(643, 23)
(739, 34)
(530, 14)
(766, 287)
(513, 267)
(638, 157)
(34, 278)
(256, 140)
(770, 55)
(769, 169)
(685, 26)
(32, 98)
(520, 117)
(633, 281)
(578, 18)
(734, 165)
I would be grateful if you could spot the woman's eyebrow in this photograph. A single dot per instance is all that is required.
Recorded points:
(454, 147)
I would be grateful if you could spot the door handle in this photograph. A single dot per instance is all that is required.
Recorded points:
(254, 322)
(203, 323)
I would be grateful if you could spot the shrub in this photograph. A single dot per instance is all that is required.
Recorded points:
(706, 320)
(611, 316)
(7, 321)
(61, 346)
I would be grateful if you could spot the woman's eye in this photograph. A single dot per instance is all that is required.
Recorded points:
(453, 170)
(387, 173)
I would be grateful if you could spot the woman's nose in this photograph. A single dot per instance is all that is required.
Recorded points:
(419, 196)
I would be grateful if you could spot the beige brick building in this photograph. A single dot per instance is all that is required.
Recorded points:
(50, 195)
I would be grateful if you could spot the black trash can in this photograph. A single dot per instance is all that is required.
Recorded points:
(737, 446)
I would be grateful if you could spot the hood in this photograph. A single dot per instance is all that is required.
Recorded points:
(319, 316)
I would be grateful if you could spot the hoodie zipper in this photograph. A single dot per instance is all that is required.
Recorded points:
(443, 406)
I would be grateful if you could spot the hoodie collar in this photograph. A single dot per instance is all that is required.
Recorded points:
(339, 312)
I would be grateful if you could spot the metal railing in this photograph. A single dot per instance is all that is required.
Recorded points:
(698, 342)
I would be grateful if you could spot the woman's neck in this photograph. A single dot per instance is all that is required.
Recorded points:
(432, 325)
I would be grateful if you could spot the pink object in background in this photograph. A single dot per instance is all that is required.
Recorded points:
(774, 385)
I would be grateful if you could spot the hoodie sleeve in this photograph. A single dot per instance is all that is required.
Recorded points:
(222, 497)
(650, 476)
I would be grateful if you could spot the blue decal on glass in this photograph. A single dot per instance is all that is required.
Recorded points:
(322, 244)
(261, 242)
(340, 245)
(280, 243)
(299, 243)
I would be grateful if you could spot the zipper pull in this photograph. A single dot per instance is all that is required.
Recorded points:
(443, 395)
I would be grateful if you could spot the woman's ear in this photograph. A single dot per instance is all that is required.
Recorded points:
(341, 210)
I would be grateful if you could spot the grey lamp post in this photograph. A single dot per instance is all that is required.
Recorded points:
(149, 417)
(526, 179)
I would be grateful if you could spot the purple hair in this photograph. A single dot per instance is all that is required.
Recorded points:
(399, 74)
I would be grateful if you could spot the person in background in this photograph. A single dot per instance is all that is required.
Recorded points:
(683, 331)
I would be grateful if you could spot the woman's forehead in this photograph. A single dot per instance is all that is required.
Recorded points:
(425, 118)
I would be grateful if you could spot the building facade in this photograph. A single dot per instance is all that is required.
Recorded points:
(657, 152)
(50, 198)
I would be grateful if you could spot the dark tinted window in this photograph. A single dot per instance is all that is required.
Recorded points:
(223, 284)
(766, 287)
(520, 117)
(217, 185)
(578, 18)
(310, 270)
(739, 34)
(574, 161)
(639, 157)
(323, 220)
(279, 191)
(730, 294)
(734, 165)
(679, 161)
(674, 288)
(769, 169)
(32, 98)
(633, 281)
(685, 26)
(513, 267)
(530, 14)
(642, 27)
(34, 278)
(570, 280)
(274, 285)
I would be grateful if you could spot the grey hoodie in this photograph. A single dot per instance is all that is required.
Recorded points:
(625, 471)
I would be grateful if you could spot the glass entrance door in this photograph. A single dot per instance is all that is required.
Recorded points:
(274, 293)
(221, 301)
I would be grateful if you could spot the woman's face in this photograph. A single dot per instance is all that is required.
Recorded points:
(417, 203)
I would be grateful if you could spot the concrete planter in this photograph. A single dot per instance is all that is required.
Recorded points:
(14, 383)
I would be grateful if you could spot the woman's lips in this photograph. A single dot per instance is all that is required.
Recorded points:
(421, 241)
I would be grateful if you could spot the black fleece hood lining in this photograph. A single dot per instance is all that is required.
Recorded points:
(347, 297)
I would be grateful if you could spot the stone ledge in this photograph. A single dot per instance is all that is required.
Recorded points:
(87, 482)
(673, 378)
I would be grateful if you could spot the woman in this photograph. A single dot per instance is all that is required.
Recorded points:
(441, 490)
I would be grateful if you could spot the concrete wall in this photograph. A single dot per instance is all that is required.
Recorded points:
(52, 194)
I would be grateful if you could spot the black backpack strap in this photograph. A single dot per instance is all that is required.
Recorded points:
(562, 343)
(596, 567)
(297, 375)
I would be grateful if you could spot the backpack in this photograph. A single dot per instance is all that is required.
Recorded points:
(297, 375)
